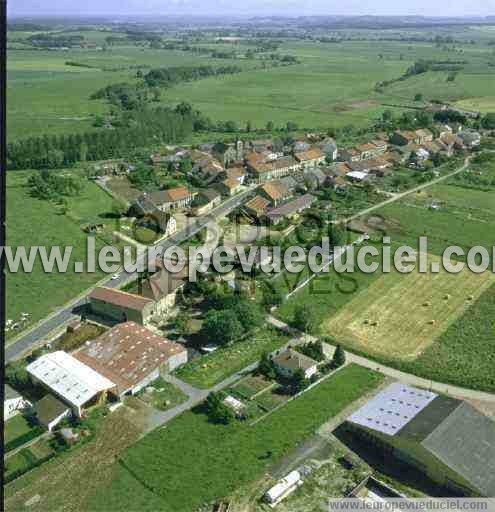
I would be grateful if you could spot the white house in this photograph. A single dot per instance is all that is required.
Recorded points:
(13, 403)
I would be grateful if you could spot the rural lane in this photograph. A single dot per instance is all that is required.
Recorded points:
(407, 378)
(401, 195)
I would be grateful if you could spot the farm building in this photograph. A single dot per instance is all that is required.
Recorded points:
(131, 356)
(73, 382)
(446, 439)
(290, 209)
(163, 200)
(206, 200)
(13, 402)
(162, 287)
(263, 170)
(275, 191)
(229, 187)
(121, 306)
(257, 206)
(289, 361)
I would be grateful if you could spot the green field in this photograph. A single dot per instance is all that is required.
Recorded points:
(16, 427)
(465, 218)
(465, 353)
(212, 368)
(33, 222)
(346, 306)
(47, 96)
(204, 462)
(332, 86)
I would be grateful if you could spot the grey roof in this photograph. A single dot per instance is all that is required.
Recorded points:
(465, 441)
(392, 409)
(49, 408)
(289, 181)
(296, 205)
(293, 360)
(10, 393)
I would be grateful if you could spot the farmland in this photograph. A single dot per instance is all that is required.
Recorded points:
(34, 222)
(399, 315)
(332, 86)
(204, 461)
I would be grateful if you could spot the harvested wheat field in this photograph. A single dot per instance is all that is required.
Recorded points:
(399, 315)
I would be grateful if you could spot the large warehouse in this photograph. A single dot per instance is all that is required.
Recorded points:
(75, 383)
(131, 356)
(446, 439)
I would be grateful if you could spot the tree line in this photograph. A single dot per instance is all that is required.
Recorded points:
(166, 77)
(139, 129)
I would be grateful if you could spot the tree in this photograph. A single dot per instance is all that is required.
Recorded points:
(305, 318)
(272, 297)
(299, 382)
(265, 366)
(291, 126)
(338, 356)
(418, 97)
(249, 315)
(488, 121)
(270, 126)
(313, 349)
(336, 235)
(249, 126)
(217, 411)
(222, 326)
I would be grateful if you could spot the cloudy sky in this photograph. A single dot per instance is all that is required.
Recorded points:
(252, 7)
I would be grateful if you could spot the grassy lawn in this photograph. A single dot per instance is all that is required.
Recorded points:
(163, 396)
(212, 368)
(400, 315)
(204, 462)
(33, 222)
(15, 427)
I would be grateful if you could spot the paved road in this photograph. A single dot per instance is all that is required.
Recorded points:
(392, 372)
(66, 314)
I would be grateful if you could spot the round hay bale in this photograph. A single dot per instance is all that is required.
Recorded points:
(471, 297)
(427, 304)
(447, 296)
(432, 322)
(366, 322)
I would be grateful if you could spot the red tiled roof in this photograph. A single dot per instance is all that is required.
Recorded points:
(127, 353)
(120, 298)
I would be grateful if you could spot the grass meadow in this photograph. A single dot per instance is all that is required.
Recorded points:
(332, 86)
(33, 222)
(203, 461)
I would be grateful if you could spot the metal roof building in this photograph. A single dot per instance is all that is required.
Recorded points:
(444, 438)
(392, 409)
(69, 379)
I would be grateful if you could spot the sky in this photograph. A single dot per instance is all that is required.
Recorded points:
(252, 7)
